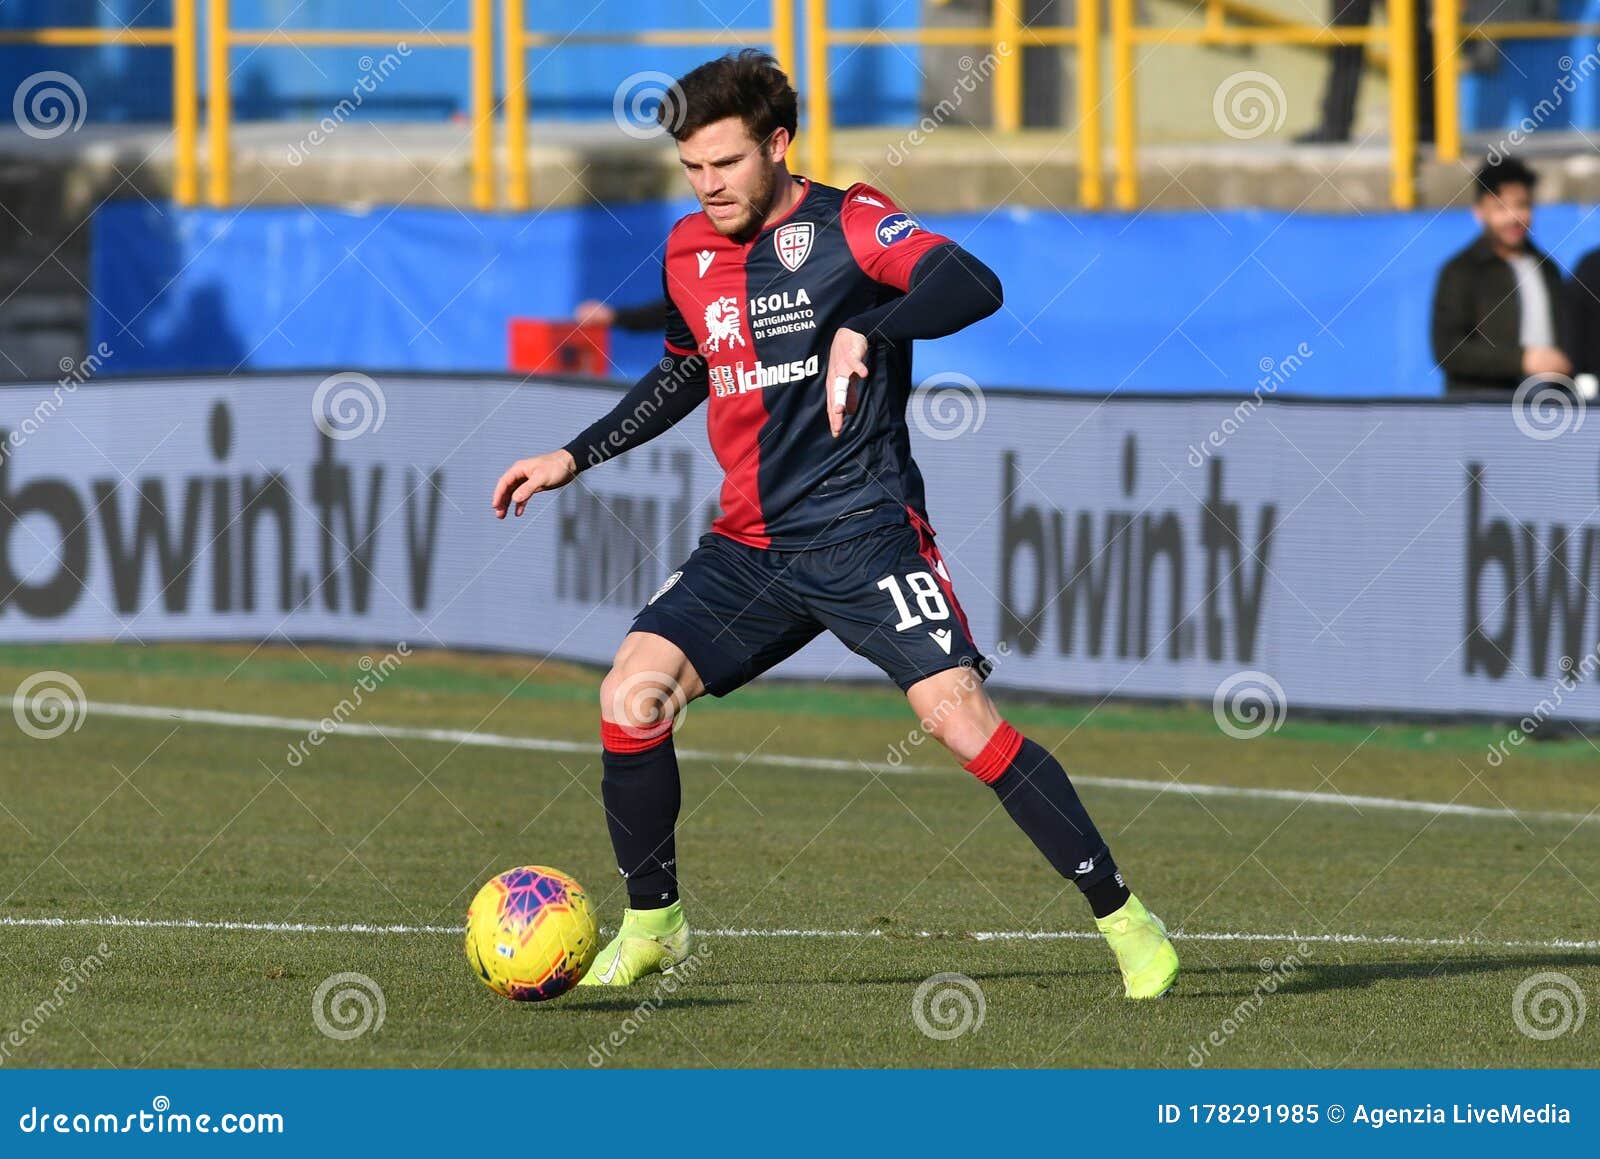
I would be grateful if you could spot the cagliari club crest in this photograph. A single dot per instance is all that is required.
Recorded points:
(793, 243)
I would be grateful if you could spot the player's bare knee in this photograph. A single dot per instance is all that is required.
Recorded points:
(963, 733)
(953, 709)
(649, 683)
(638, 698)
(963, 728)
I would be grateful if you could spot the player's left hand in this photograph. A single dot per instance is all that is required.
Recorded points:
(846, 360)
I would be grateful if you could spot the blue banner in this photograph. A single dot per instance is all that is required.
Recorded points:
(803, 1112)
(1094, 302)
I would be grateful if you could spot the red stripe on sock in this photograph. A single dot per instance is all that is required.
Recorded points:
(623, 738)
(997, 755)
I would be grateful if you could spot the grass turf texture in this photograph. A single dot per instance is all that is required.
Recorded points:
(163, 820)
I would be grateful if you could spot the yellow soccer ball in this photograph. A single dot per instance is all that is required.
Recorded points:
(530, 934)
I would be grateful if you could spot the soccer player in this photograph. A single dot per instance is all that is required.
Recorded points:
(793, 307)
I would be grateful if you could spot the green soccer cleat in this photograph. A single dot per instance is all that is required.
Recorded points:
(651, 941)
(1144, 953)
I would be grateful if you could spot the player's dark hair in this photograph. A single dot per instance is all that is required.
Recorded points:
(1499, 172)
(747, 84)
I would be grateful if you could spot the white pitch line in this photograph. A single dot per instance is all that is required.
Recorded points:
(821, 764)
(741, 933)
(1349, 800)
(196, 924)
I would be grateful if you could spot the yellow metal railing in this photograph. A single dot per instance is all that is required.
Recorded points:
(222, 37)
(180, 37)
(1250, 13)
(1448, 39)
(1005, 38)
(1222, 23)
(519, 39)
(1399, 35)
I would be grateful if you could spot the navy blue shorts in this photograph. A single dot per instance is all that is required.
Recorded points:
(736, 611)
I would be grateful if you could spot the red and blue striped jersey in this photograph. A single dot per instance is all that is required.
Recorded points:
(763, 313)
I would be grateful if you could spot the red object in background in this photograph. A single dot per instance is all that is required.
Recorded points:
(545, 347)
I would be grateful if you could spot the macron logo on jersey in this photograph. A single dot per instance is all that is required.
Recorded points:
(704, 258)
(865, 200)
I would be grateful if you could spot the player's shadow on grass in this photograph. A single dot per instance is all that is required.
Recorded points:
(1243, 979)
(654, 1001)
(1046, 974)
(1240, 979)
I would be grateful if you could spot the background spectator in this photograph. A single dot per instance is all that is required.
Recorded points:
(1583, 301)
(1498, 313)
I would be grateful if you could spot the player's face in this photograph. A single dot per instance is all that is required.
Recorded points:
(733, 175)
(1506, 216)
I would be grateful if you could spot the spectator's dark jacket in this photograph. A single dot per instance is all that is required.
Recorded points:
(1477, 318)
(1584, 311)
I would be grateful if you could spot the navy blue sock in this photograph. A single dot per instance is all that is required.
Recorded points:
(642, 796)
(1038, 794)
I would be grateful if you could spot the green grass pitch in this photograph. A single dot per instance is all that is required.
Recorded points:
(833, 893)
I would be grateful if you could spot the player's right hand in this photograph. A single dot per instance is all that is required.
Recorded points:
(847, 366)
(527, 477)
